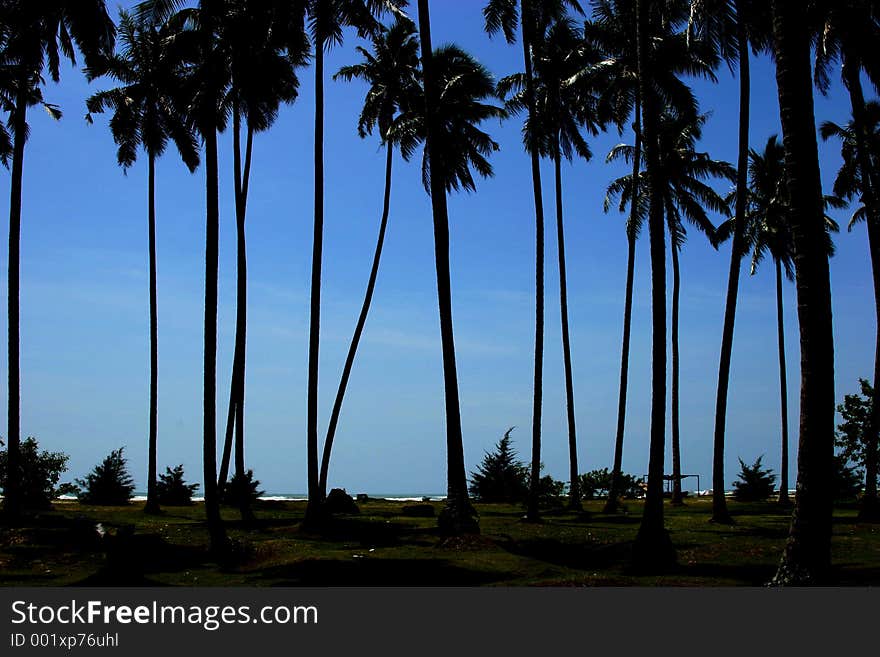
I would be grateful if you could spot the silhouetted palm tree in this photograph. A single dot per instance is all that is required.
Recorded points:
(454, 86)
(146, 114)
(529, 15)
(392, 71)
(37, 35)
(326, 20)
(852, 184)
(264, 43)
(807, 554)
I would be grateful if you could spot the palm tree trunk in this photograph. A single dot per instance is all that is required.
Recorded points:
(676, 436)
(314, 504)
(574, 501)
(152, 505)
(458, 517)
(653, 548)
(359, 328)
(783, 388)
(614, 493)
(807, 555)
(869, 508)
(720, 514)
(532, 512)
(12, 491)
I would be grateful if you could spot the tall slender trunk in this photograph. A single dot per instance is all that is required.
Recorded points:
(614, 494)
(676, 435)
(359, 328)
(574, 501)
(869, 508)
(152, 505)
(807, 555)
(783, 388)
(314, 504)
(653, 548)
(532, 512)
(12, 491)
(720, 512)
(458, 517)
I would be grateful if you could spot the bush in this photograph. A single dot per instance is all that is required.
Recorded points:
(755, 483)
(109, 483)
(40, 472)
(597, 484)
(846, 479)
(550, 490)
(173, 490)
(241, 489)
(500, 477)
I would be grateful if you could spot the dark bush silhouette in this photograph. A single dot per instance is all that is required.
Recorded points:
(846, 479)
(755, 484)
(339, 501)
(109, 483)
(241, 486)
(500, 477)
(173, 489)
(40, 472)
(597, 484)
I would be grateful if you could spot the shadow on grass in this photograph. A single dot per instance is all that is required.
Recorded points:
(366, 532)
(581, 556)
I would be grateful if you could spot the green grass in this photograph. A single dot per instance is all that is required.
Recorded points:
(381, 547)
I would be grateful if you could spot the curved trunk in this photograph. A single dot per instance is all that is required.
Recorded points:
(807, 555)
(614, 493)
(719, 501)
(574, 501)
(12, 490)
(783, 388)
(653, 548)
(532, 512)
(152, 505)
(358, 331)
(313, 507)
(676, 437)
(458, 517)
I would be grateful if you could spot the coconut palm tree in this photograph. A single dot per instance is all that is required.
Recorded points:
(147, 114)
(505, 16)
(264, 45)
(392, 71)
(768, 231)
(847, 32)
(37, 36)
(807, 554)
(454, 87)
(686, 196)
(326, 20)
(852, 184)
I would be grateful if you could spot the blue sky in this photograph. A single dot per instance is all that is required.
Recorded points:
(85, 321)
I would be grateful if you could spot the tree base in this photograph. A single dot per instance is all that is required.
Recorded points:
(613, 506)
(152, 509)
(458, 520)
(869, 509)
(653, 551)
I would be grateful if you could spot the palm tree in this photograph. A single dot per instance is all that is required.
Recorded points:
(504, 16)
(264, 45)
(392, 71)
(454, 86)
(326, 21)
(37, 35)
(686, 196)
(146, 114)
(852, 183)
(848, 33)
(807, 555)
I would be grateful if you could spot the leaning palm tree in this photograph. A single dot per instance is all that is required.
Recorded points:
(264, 45)
(455, 86)
(36, 36)
(768, 231)
(807, 555)
(852, 184)
(686, 197)
(327, 20)
(392, 71)
(504, 16)
(146, 114)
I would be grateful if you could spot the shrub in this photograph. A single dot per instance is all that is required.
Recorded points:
(550, 490)
(241, 489)
(109, 483)
(40, 472)
(500, 477)
(597, 484)
(173, 490)
(755, 484)
(846, 479)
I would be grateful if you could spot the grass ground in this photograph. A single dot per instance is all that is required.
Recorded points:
(382, 547)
